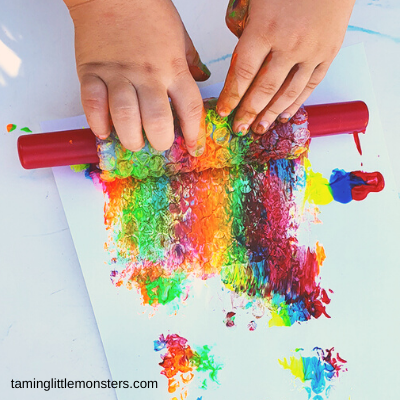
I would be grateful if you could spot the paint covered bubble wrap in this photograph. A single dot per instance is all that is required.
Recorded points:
(223, 149)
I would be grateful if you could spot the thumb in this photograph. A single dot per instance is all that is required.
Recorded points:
(199, 71)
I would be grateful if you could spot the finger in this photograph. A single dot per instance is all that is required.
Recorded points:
(95, 105)
(267, 83)
(247, 59)
(188, 104)
(199, 71)
(291, 89)
(236, 16)
(316, 78)
(125, 114)
(156, 115)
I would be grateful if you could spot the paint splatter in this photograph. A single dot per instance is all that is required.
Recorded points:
(181, 363)
(230, 319)
(317, 372)
(252, 326)
(11, 127)
(237, 213)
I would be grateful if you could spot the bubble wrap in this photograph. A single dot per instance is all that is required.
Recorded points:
(223, 149)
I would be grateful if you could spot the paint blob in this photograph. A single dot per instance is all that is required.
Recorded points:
(181, 363)
(317, 372)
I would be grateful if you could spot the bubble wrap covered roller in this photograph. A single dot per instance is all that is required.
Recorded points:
(223, 149)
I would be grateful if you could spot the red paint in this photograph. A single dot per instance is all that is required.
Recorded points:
(334, 360)
(286, 268)
(374, 182)
(229, 319)
(357, 141)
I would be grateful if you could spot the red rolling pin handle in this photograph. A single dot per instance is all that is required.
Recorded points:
(336, 118)
(79, 146)
(55, 149)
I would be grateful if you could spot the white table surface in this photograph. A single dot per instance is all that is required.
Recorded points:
(47, 327)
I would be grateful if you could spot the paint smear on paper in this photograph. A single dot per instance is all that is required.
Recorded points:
(317, 372)
(181, 364)
(241, 213)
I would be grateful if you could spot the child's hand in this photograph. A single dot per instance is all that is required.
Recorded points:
(131, 55)
(284, 52)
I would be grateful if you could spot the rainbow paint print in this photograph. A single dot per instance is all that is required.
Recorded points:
(240, 213)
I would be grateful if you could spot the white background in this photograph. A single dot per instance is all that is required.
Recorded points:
(47, 327)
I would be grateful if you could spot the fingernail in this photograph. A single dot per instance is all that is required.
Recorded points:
(223, 112)
(204, 68)
(284, 117)
(243, 129)
(262, 127)
(198, 151)
(200, 72)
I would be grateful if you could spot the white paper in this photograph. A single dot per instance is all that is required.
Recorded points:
(361, 267)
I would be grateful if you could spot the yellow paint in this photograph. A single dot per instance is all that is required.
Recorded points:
(276, 320)
(318, 190)
(295, 366)
(281, 319)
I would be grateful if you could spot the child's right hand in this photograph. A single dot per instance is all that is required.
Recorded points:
(131, 55)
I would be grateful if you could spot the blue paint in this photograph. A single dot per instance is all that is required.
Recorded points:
(314, 371)
(340, 186)
(159, 344)
(353, 28)
(297, 311)
(341, 183)
(223, 58)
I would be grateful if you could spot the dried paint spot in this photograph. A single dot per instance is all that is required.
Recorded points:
(11, 127)
(26, 129)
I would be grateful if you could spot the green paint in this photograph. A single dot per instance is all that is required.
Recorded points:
(79, 167)
(163, 290)
(145, 219)
(203, 361)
